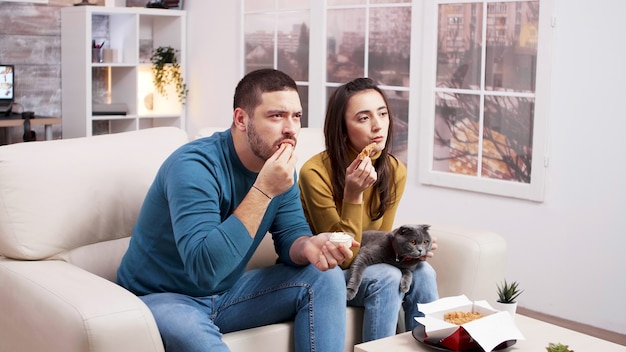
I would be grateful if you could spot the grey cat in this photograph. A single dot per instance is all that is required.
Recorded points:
(401, 248)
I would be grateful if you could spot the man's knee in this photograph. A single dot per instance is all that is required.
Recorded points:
(331, 280)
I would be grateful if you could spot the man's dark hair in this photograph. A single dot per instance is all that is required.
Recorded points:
(249, 89)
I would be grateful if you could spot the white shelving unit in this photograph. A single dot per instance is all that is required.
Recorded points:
(129, 34)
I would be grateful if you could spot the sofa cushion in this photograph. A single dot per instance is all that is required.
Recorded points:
(107, 177)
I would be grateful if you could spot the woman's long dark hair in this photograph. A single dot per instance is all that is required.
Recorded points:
(338, 146)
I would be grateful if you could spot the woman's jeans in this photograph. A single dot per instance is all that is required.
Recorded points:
(380, 295)
(314, 300)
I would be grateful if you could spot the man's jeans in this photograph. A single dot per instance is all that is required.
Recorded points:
(315, 300)
(380, 295)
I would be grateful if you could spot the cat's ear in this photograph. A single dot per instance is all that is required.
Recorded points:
(404, 229)
(425, 227)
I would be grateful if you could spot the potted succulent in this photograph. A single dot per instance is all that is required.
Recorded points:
(558, 347)
(507, 295)
(166, 70)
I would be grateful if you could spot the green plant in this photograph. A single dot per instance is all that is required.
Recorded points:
(166, 70)
(558, 347)
(507, 293)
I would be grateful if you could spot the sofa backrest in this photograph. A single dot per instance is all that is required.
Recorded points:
(72, 199)
(77, 200)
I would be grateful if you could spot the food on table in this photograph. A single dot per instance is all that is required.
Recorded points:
(460, 318)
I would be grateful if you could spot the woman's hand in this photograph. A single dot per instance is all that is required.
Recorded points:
(360, 175)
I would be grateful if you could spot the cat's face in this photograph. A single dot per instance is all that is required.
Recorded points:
(411, 241)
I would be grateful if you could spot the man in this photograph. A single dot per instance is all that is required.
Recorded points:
(205, 214)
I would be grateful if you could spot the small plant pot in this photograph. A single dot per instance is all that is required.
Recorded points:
(511, 308)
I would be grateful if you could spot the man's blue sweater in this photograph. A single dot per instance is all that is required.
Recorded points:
(186, 239)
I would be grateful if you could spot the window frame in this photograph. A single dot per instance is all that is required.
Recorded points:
(533, 191)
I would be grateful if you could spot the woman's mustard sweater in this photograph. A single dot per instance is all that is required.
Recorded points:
(324, 215)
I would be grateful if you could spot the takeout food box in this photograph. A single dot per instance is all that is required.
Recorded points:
(489, 332)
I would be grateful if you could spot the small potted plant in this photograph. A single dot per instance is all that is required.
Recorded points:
(558, 347)
(166, 70)
(507, 295)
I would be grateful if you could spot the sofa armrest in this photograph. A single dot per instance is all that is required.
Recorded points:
(55, 306)
(468, 261)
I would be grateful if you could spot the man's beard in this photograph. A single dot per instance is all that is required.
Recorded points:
(261, 149)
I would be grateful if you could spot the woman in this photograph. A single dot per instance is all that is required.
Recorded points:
(341, 192)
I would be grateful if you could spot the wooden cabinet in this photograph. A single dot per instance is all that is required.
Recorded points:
(110, 90)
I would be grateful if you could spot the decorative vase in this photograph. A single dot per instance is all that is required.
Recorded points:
(511, 308)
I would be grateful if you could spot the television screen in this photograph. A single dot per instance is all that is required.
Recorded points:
(7, 82)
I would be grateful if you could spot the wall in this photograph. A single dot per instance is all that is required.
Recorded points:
(30, 38)
(213, 62)
(567, 252)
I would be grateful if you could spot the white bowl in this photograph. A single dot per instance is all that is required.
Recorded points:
(343, 238)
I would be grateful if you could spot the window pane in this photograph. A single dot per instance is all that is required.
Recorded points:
(511, 51)
(507, 138)
(293, 45)
(390, 45)
(345, 45)
(259, 42)
(495, 140)
(389, 1)
(459, 43)
(456, 133)
(292, 52)
(345, 2)
(304, 100)
(293, 4)
(399, 106)
(259, 5)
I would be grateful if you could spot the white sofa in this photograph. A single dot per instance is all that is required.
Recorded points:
(67, 208)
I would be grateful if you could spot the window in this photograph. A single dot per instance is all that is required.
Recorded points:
(467, 79)
(276, 35)
(373, 39)
(483, 121)
(354, 38)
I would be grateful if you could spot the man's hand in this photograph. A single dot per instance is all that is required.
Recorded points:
(319, 251)
(276, 176)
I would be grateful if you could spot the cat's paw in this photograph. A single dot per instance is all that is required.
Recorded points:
(405, 285)
(351, 293)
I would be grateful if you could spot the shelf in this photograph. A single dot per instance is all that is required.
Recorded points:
(113, 117)
(129, 36)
